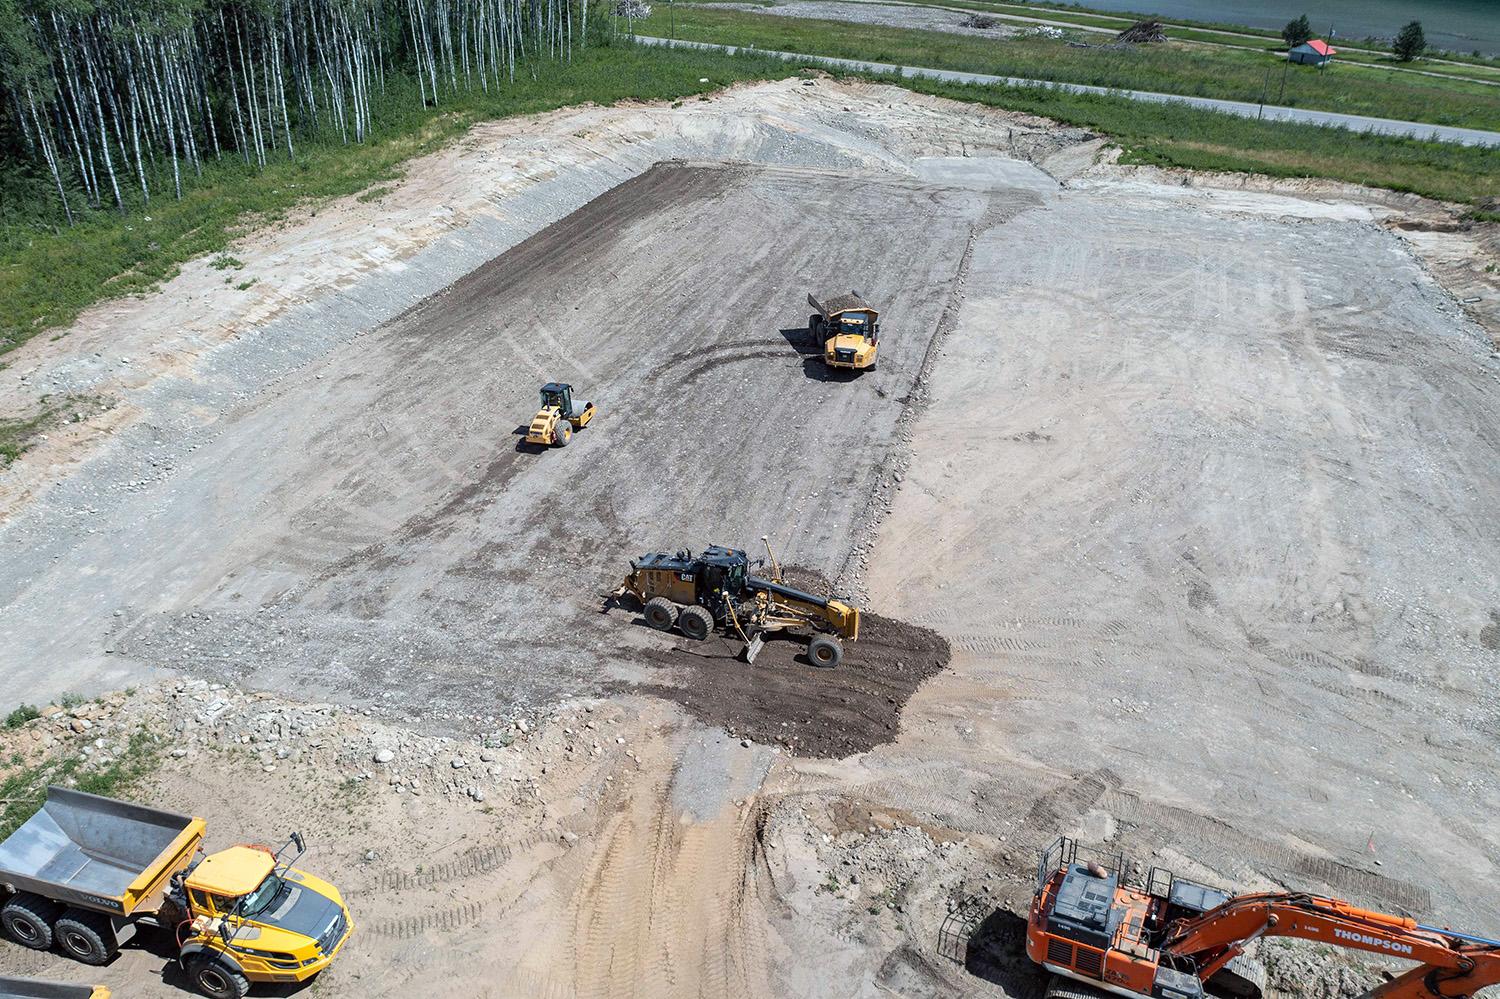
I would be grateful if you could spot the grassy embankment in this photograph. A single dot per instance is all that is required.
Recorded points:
(1239, 74)
(23, 781)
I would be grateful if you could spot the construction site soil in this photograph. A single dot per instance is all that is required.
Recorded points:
(784, 700)
(1191, 477)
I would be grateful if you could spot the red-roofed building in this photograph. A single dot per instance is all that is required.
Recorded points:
(1314, 53)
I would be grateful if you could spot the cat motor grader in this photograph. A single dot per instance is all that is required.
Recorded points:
(714, 590)
(1163, 937)
(559, 417)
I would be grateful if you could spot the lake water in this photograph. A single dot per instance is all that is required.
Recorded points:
(1459, 25)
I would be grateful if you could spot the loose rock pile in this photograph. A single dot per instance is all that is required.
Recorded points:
(1300, 970)
(187, 718)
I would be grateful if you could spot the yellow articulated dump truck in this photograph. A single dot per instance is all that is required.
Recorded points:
(85, 873)
(35, 988)
(849, 329)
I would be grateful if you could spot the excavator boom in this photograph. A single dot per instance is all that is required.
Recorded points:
(1449, 964)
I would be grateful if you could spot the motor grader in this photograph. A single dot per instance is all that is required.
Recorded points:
(559, 417)
(849, 329)
(86, 873)
(714, 590)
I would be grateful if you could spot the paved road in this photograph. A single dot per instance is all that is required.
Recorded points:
(1245, 109)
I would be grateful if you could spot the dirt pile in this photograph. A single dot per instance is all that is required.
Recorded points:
(1143, 32)
(1300, 971)
(784, 700)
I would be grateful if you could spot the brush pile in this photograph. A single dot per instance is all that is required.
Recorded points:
(1142, 32)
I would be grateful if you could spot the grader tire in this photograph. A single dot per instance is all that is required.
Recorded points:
(661, 613)
(85, 936)
(27, 918)
(217, 980)
(824, 652)
(696, 622)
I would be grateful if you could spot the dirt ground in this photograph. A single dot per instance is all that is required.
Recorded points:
(1193, 475)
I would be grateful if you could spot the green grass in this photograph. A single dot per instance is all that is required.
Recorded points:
(22, 714)
(1268, 41)
(49, 272)
(18, 434)
(1178, 136)
(23, 792)
(1066, 11)
(1194, 70)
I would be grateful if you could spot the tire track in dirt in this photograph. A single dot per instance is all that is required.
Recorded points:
(665, 908)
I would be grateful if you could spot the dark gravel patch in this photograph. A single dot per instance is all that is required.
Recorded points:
(783, 700)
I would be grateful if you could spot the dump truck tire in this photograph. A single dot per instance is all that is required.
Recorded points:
(562, 433)
(27, 918)
(218, 980)
(661, 613)
(695, 622)
(824, 651)
(1059, 987)
(814, 324)
(85, 936)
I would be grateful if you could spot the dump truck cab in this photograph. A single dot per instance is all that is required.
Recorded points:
(254, 916)
(849, 328)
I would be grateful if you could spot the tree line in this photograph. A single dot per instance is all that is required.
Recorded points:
(111, 98)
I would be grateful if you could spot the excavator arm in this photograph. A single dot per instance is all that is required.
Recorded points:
(1449, 965)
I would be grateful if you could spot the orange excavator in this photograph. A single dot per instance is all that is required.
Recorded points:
(1171, 938)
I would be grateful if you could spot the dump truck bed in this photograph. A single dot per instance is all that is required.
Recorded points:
(832, 305)
(32, 988)
(98, 853)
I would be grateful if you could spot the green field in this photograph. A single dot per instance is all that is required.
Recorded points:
(1194, 70)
